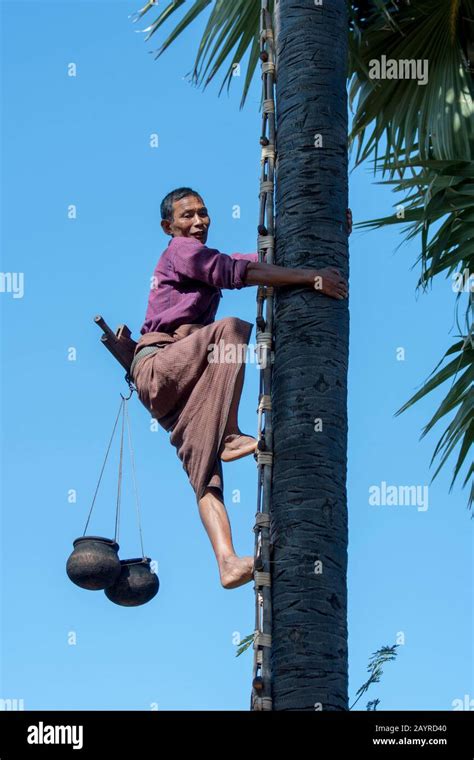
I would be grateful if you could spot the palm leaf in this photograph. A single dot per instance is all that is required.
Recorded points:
(233, 25)
(375, 668)
(437, 116)
(439, 191)
(245, 644)
(461, 394)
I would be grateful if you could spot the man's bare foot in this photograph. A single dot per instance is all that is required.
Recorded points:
(235, 571)
(237, 445)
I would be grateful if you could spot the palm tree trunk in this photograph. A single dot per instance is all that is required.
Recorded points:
(309, 502)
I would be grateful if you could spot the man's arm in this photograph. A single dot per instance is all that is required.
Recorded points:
(245, 256)
(328, 280)
(197, 261)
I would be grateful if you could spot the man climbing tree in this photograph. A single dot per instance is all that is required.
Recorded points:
(194, 398)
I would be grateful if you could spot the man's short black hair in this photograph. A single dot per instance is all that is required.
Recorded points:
(166, 206)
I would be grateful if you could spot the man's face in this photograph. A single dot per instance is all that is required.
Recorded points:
(190, 219)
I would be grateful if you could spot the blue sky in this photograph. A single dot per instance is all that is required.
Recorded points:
(85, 140)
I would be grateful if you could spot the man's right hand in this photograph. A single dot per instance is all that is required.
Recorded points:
(330, 282)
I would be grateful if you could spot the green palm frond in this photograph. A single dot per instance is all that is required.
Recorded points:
(438, 115)
(232, 28)
(441, 194)
(436, 191)
(461, 394)
(375, 668)
(246, 642)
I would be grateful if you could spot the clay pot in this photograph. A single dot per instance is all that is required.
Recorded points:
(94, 563)
(136, 584)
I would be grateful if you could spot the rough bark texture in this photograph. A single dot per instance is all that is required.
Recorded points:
(309, 504)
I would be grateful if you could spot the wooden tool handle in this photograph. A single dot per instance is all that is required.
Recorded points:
(120, 343)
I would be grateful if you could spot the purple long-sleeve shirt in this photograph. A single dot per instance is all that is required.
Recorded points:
(187, 282)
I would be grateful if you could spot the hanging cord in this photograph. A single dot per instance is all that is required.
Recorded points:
(119, 485)
(261, 696)
(123, 408)
(132, 460)
(103, 467)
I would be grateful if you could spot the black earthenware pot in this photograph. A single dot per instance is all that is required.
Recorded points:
(94, 563)
(136, 584)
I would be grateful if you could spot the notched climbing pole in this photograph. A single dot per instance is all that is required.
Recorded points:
(261, 697)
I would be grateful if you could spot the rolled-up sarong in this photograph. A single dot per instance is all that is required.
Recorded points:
(191, 396)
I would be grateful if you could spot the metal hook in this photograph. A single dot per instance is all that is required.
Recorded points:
(130, 385)
(126, 398)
